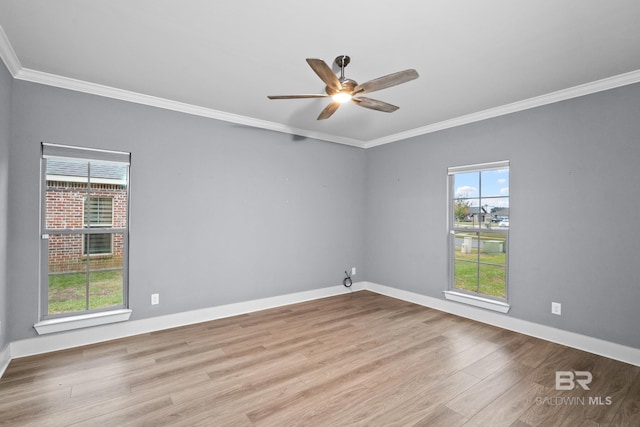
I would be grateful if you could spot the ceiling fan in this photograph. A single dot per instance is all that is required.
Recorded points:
(343, 89)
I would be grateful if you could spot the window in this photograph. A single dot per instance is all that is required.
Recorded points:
(479, 234)
(98, 212)
(97, 244)
(85, 203)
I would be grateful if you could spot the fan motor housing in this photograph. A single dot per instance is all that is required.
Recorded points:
(348, 85)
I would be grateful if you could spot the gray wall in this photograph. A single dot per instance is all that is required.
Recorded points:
(5, 135)
(220, 213)
(256, 213)
(575, 193)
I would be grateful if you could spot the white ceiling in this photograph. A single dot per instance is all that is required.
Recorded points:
(222, 58)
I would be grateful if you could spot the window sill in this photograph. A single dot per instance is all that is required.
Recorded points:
(481, 302)
(81, 321)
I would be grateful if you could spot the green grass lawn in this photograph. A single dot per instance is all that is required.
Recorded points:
(492, 278)
(68, 292)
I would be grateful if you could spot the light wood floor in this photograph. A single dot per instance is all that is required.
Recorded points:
(358, 359)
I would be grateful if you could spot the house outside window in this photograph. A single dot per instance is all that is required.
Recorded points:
(85, 202)
(479, 221)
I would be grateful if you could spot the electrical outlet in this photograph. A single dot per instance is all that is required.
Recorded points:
(353, 271)
(155, 299)
(556, 308)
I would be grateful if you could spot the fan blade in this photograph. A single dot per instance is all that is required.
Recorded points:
(296, 96)
(324, 72)
(329, 110)
(386, 81)
(374, 104)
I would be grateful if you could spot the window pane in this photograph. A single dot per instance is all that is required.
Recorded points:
(97, 244)
(105, 289)
(466, 213)
(466, 261)
(493, 280)
(113, 242)
(67, 293)
(466, 275)
(65, 253)
(107, 206)
(466, 244)
(466, 185)
(499, 208)
(493, 248)
(65, 191)
(495, 183)
(67, 279)
(109, 173)
(105, 277)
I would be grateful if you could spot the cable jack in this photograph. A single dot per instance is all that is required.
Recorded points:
(347, 280)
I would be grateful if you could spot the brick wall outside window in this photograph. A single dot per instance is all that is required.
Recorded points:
(64, 209)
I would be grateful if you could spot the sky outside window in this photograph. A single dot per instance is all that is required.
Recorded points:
(495, 184)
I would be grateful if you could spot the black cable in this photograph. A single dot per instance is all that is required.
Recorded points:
(347, 281)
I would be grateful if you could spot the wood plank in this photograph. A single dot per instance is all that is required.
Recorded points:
(489, 389)
(353, 359)
(509, 406)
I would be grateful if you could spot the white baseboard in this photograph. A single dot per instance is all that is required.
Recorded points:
(570, 339)
(5, 358)
(80, 337)
(76, 338)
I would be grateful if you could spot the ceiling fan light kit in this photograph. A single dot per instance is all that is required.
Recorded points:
(341, 89)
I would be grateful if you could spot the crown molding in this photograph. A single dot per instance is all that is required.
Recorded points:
(138, 98)
(12, 63)
(54, 80)
(537, 101)
(8, 55)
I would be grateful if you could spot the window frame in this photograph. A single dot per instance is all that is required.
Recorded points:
(475, 298)
(90, 316)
